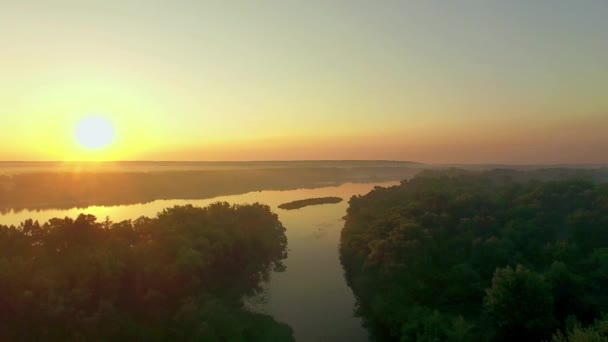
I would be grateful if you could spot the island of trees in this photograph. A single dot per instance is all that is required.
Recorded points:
(310, 201)
(492, 256)
(180, 276)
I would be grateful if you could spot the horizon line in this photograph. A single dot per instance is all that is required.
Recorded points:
(306, 160)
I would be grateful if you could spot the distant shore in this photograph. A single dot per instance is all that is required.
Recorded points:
(64, 190)
(310, 201)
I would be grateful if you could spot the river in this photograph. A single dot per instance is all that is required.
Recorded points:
(311, 295)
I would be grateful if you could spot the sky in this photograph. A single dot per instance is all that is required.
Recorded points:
(430, 81)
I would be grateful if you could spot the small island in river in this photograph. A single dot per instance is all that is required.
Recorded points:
(310, 201)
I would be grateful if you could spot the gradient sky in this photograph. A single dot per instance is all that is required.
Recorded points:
(430, 81)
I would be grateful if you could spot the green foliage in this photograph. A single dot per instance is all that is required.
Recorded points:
(598, 332)
(520, 304)
(510, 253)
(179, 276)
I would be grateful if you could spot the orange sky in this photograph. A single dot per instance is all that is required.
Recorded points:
(474, 82)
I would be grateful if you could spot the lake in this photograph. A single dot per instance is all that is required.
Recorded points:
(311, 295)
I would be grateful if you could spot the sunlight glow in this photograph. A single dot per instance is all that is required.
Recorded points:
(95, 133)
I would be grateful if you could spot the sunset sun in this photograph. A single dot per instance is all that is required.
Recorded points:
(285, 171)
(95, 133)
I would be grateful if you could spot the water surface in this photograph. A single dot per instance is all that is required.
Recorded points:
(311, 295)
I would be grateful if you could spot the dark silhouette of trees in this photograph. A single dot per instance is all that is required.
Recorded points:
(597, 332)
(179, 276)
(498, 255)
(310, 201)
(520, 305)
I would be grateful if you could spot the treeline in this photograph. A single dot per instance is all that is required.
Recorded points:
(64, 190)
(179, 276)
(492, 256)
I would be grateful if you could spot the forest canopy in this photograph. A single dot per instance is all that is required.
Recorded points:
(483, 256)
(179, 276)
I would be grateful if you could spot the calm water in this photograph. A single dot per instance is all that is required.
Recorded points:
(311, 295)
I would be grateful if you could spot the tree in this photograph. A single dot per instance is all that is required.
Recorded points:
(519, 305)
(179, 276)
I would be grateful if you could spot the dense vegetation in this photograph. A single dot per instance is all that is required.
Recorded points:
(493, 256)
(179, 276)
(310, 201)
(63, 190)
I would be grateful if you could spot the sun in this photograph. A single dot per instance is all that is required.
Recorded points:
(95, 133)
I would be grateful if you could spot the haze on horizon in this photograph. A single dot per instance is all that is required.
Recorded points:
(433, 81)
